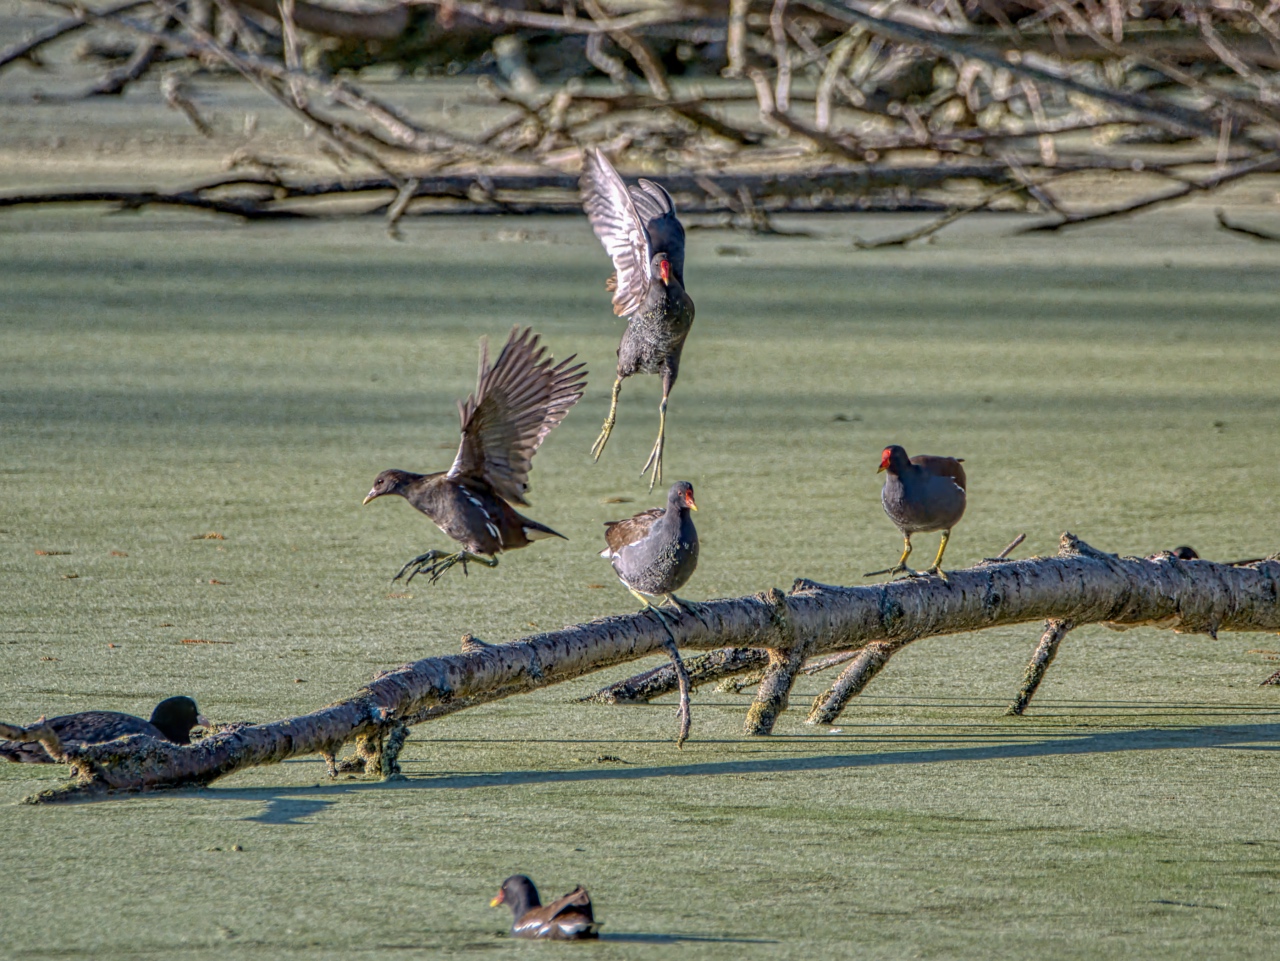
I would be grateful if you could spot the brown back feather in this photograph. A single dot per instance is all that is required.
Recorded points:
(942, 466)
(618, 534)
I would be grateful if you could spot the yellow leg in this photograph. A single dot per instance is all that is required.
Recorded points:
(937, 561)
(655, 455)
(901, 567)
(598, 447)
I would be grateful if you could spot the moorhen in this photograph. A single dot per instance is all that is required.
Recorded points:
(569, 918)
(654, 554)
(172, 720)
(640, 232)
(921, 494)
(516, 404)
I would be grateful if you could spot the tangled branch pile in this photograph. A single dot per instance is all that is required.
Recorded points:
(748, 106)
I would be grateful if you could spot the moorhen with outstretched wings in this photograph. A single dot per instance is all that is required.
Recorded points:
(642, 235)
(516, 404)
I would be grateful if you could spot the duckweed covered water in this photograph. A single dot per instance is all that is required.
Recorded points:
(167, 377)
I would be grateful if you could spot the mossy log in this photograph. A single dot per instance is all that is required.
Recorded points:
(1081, 584)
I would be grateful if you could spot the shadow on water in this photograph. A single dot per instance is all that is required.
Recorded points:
(289, 810)
(643, 938)
(1235, 736)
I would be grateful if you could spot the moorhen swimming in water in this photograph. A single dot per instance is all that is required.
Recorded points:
(654, 554)
(516, 404)
(921, 494)
(640, 232)
(569, 918)
(172, 720)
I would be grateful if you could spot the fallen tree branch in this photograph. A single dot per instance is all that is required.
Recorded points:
(1080, 583)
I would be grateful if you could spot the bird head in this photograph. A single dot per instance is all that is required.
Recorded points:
(388, 482)
(662, 267)
(681, 495)
(519, 892)
(176, 716)
(893, 459)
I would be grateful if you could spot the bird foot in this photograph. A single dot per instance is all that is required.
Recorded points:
(688, 607)
(654, 461)
(434, 563)
(598, 447)
(893, 572)
(934, 571)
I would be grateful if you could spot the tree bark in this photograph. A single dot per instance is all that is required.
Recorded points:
(1054, 631)
(1081, 584)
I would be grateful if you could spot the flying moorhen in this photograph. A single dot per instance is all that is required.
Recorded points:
(172, 720)
(516, 404)
(921, 494)
(640, 232)
(569, 918)
(654, 554)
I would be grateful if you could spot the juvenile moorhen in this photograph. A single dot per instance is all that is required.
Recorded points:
(654, 554)
(640, 232)
(569, 918)
(921, 494)
(516, 404)
(172, 720)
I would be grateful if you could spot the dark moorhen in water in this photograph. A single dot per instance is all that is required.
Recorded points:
(645, 240)
(565, 919)
(172, 720)
(516, 404)
(921, 494)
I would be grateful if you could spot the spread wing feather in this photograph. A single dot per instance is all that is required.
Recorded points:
(516, 404)
(664, 231)
(617, 223)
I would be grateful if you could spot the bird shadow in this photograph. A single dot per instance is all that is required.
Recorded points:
(649, 938)
(1233, 736)
(282, 810)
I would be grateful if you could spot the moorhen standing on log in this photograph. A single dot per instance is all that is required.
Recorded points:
(654, 554)
(645, 240)
(516, 404)
(172, 720)
(569, 918)
(921, 494)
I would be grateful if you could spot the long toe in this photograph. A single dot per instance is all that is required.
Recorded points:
(598, 447)
(418, 561)
(654, 461)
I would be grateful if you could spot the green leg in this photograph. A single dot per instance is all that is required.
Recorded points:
(684, 714)
(901, 567)
(655, 455)
(434, 563)
(598, 447)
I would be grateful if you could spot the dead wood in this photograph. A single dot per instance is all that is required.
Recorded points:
(1080, 584)
(1054, 631)
(997, 92)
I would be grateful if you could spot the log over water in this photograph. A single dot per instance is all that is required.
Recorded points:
(1080, 584)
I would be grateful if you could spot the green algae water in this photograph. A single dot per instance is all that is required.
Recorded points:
(165, 378)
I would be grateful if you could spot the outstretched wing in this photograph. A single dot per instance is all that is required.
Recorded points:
(658, 215)
(516, 403)
(616, 222)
